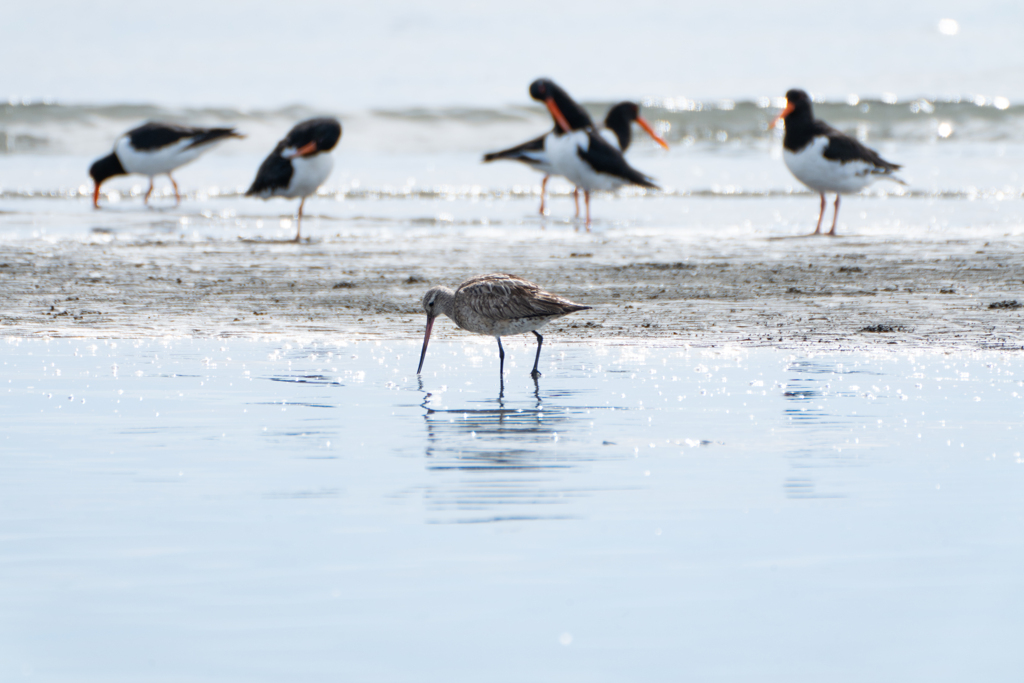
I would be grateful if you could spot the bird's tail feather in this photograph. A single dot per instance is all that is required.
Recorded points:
(212, 134)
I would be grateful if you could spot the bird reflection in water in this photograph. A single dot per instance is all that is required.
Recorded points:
(501, 457)
(815, 411)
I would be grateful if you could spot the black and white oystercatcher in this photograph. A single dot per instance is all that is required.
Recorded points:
(497, 304)
(577, 151)
(617, 131)
(824, 159)
(155, 149)
(299, 164)
(618, 126)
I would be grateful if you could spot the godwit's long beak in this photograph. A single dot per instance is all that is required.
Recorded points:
(650, 131)
(426, 340)
(785, 112)
(557, 113)
(306, 149)
(96, 197)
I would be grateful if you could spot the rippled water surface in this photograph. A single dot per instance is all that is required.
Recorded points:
(210, 510)
(225, 505)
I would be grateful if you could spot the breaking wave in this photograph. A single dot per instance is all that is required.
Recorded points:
(58, 128)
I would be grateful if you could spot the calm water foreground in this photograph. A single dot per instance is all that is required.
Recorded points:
(209, 510)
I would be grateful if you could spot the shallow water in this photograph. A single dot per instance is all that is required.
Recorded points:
(265, 495)
(198, 510)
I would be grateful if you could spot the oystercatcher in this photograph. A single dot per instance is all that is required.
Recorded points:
(578, 152)
(824, 159)
(496, 305)
(617, 131)
(617, 125)
(299, 164)
(155, 149)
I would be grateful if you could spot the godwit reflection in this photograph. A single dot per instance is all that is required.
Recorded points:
(505, 459)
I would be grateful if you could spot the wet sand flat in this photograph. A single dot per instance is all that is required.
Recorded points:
(705, 281)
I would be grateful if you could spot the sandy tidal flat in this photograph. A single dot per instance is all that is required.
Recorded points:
(678, 270)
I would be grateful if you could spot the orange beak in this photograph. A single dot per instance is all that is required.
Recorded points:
(557, 113)
(650, 131)
(308, 148)
(785, 112)
(96, 197)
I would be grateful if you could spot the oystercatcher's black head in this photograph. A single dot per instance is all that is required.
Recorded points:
(619, 119)
(107, 167)
(798, 109)
(312, 136)
(567, 114)
(798, 97)
(623, 112)
(541, 88)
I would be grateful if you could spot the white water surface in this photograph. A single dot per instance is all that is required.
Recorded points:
(226, 510)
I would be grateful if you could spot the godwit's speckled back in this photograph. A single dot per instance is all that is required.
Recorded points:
(500, 304)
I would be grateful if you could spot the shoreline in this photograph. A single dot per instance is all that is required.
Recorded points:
(845, 293)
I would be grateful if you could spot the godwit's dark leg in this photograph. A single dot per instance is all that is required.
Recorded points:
(501, 360)
(835, 216)
(821, 214)
(576, 198)
(148, 192)
(298, 222)
(586, 199)
(177, 195)
(540, 340)
(543, 190)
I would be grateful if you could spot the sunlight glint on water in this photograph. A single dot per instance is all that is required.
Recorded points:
(289, 494)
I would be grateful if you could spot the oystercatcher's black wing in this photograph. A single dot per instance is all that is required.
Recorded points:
(202, 136)
(275, 173)
(843, 148)
(154, 135)
(604, 158)
(523, 152)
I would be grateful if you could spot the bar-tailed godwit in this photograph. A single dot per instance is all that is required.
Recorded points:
(497, 304)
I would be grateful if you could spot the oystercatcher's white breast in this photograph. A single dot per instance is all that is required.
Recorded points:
(156, 161)
(811, 168)
(564, 153)
(539, 161)
(308, 174)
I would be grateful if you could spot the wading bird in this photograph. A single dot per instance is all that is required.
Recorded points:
(617, 131)
(824, 159)
(299, 164)
(497, 305)
(577, 151)
(155, 149)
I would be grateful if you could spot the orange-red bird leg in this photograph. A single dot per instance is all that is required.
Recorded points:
(821, 214)
(835, 217)
(177, 195)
